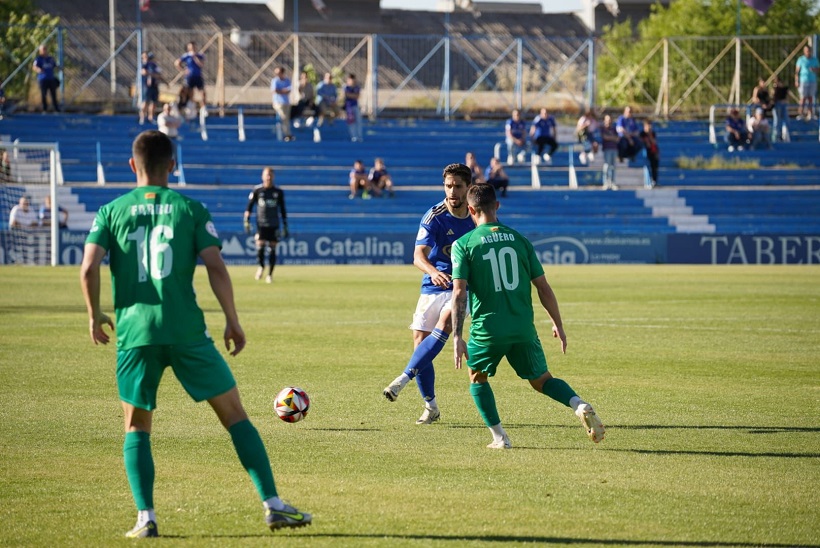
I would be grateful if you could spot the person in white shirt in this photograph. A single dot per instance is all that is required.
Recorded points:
(22, 215)
(168, 123)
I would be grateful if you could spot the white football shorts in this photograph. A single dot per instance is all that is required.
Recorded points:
(428, 310)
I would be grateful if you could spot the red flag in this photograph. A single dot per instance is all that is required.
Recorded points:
(760, 6)
(145, 5)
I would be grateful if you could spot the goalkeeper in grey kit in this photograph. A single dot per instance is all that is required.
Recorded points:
(270, 206)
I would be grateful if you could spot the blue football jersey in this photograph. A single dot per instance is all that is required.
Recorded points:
(438, 230)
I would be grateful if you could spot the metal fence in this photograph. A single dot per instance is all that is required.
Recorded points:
(445, 76)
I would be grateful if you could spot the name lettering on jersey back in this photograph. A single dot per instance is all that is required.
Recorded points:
(497, 237)
(152, 209)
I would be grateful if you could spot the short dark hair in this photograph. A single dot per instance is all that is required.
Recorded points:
(458, 170)
(481, 197)
(152, 151)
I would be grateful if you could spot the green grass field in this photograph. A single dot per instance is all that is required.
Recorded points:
(708, 379)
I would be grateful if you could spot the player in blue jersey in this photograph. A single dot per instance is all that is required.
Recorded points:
(192, 62)
(440, 227)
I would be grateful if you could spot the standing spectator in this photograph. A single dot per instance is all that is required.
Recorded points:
(588, 134)
(736, 135)
(805, 80)
(22, 215)
(629, 135)
(515, 134)
(327, 99)
(472, 163)
(270, 207)
(496, 176)
(499, 265)
(379, 179)
(159, 323)
(192, 63)
(780, 114)
(45, 65)
(280, 88)
(761, 131)
(358, 180)
(544, 131)
(306, 101)
(168, 122)
(609, 144)
(352, 112)
(5, 167)
(761, 96)
(44, 215)
(150, 86)
(653, 153)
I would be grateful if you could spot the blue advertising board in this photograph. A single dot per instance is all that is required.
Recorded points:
(743, 249)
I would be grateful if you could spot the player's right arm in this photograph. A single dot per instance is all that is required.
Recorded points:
(458, 315)
(222, 287)
(249, 209)
(90, 282)
(421, 261)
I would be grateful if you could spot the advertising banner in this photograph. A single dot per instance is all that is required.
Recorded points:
(743, 249)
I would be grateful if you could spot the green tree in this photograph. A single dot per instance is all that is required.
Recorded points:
(23, 31)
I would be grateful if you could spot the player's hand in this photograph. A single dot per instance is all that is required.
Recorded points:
(247, 225)
(285, 232)
(459, 351)
(441, 279)
(233, 332)
(95, 326)
(558, 333)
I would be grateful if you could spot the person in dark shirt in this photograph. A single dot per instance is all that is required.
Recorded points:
(270, 207)
(379, 179)
(737, 136)
(653, 153)
(761, 98)
(45, 65)
(780, 114)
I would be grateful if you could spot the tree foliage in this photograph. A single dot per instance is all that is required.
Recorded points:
(24, 30)
(701, 30)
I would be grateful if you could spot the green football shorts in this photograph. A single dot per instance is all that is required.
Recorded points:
(200, 368)
(526, 358)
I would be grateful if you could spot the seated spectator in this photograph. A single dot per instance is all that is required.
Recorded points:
(327, 99)
(496, 176)
(358, 180)
(22, 215)
(5, 167)
(629, 136)
(478, 173)
(45, 214)
(736, 135)
(609, 140)
(306, 101)
(760, 130)
(761, 98)
(653, 153)
(168, 122)
(379, 179)
(588, 133)
(515, 131)
(543, 132)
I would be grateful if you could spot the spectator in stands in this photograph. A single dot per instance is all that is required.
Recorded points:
(327, 99)
(609, 144)
(805, 80)
(168, 122)
(515, 134)
(472, 163)
(543, 132)
(496, 176)
(761, 130)
(736, 135)
(280, 88)
(150, 86)
(780, 114)
(629, 136)
(44, 216)
(307, 101)
(5, 167)
(352, 112)
(379, 179)
(22, 215)
(45, 65)
(358, 180)
(653, 153)
(186, 107)
(588, 133)
(761, 97)
(192, 63)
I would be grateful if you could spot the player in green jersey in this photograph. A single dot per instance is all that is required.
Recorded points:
(153, 237)
(498, 264)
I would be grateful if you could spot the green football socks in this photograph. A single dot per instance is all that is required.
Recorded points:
(558, 390)
(252, 455)
(139, 467)
(484, 399)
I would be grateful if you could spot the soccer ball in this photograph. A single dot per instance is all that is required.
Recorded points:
(291, 404)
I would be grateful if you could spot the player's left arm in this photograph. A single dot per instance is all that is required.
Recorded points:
(550, 303)
(222, 287)
(93, 255)
(458, 306)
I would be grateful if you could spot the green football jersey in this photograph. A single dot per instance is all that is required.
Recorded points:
(153, 236)
(498, 264)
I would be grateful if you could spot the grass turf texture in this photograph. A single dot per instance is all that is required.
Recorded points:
(706, 377)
